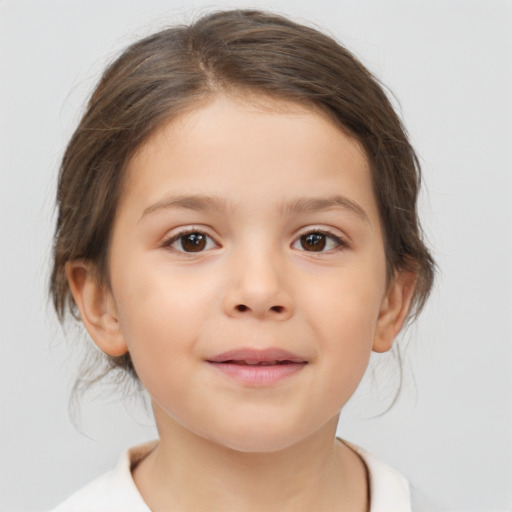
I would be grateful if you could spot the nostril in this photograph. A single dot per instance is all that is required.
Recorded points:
(242, 308)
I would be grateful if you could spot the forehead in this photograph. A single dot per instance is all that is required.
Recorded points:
(250, 145)
(243, 105)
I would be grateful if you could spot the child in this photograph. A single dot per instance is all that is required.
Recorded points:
(237, 230)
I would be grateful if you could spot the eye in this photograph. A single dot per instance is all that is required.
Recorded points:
(319, 241)
(191, 241)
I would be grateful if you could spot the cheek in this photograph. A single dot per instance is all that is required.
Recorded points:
(347, 344)
(344, 314)
(161, 314)
(150, 292)
(344, 356)
(345, 305)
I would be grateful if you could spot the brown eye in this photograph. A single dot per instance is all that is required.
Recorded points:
(319, 241)
(193, 241)
(313, 242)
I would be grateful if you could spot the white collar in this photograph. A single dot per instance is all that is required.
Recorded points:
(389, 490)
(116, 491)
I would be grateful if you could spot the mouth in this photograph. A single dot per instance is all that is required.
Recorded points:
(252, 357)
(258, 367)
(249, 362)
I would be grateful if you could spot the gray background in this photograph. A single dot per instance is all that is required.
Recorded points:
(449, 63)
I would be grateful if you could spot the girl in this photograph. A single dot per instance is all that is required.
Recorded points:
(237, 230)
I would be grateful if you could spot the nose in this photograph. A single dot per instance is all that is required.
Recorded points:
(257, 289)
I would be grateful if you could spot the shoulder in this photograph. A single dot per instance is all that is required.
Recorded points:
(115, 491)
(390, 491)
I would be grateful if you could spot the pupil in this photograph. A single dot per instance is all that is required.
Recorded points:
(313, 242)
(193, 242)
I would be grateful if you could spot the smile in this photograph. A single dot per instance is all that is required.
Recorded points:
(258, 368)
(257, 363)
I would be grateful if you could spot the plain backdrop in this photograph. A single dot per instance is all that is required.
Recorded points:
(450, 66)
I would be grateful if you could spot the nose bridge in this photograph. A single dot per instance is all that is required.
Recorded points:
(257, 282)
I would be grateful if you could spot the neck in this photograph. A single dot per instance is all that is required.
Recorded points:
(188, 472)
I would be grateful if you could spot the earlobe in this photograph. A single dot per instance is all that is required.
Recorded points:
(97, 307)
(394, 309)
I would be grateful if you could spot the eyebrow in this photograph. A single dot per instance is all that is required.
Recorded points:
(188, 202)
(203, 203)
(317, 204)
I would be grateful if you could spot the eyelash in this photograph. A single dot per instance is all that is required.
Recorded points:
(175, 238)
(341, 244)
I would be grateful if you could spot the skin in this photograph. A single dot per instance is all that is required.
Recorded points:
(255, 285)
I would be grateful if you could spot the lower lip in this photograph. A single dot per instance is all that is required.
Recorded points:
(259, 375)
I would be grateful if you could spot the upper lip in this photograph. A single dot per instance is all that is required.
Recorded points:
(268, 355)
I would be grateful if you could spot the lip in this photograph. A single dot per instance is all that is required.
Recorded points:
(258, 367)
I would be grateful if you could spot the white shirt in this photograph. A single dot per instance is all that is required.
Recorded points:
(115, 491)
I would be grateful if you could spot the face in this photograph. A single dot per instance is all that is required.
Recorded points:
(248, 272)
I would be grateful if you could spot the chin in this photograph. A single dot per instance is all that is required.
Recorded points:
(259, 438)
(257, 444)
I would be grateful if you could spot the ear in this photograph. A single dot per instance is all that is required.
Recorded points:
(394, 309)
(96, 306)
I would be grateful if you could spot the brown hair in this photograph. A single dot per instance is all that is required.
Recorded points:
(238, 50)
